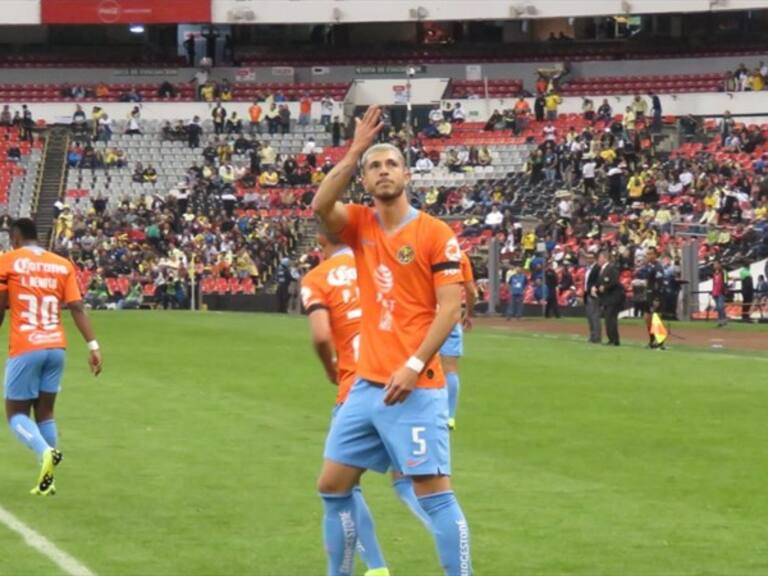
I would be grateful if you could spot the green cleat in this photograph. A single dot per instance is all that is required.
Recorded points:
(45, 479)
(451, 424)
(384, 571)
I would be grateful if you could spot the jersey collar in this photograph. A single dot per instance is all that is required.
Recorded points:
(344, 250)
(409, 217)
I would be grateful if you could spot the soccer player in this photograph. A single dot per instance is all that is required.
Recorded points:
(330, 297)
(34, 283)
(453, 348)
(409, 274)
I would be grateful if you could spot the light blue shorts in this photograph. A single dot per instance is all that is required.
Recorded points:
(26, 375)
(411, 437)
(454, 344)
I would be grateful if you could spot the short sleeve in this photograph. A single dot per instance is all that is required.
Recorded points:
(313, 295)
(4, 270)
(351, 231)
(71, 289)
(445, 255)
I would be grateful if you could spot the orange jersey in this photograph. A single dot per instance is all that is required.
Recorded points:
(333, 285)
(38, 282)
(398, 274)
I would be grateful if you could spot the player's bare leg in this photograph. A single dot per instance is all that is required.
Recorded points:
(13, 407)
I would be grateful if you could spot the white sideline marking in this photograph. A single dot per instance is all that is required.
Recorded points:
(47, 548)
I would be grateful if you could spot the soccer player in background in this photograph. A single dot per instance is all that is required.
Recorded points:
(409, 274)
(331, 300)
(34, 283)
(453, 348)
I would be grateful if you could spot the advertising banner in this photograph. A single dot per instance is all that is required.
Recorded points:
(125, 11)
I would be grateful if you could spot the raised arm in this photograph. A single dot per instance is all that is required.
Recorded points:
(332, 213)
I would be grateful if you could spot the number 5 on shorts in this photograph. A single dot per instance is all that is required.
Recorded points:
(421, 444)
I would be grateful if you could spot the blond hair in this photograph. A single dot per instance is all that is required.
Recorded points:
(385, 147)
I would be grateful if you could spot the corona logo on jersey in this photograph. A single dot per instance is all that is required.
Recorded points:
(25, 266)
(342, 276)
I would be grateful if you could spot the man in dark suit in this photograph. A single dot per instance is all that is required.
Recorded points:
(591, 300)
(551, 282)
(611, 296)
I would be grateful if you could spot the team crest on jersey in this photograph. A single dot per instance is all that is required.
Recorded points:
(406, 254)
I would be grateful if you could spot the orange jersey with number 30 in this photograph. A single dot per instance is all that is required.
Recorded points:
(398, 273)
(38, 282)
(333, 285)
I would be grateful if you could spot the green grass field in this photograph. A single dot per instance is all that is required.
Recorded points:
(195, 453)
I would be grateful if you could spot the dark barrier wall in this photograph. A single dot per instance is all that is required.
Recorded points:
(241, 302)
(268, 303)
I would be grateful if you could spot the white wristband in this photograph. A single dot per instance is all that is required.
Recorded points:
(415, 364)
(93, 345)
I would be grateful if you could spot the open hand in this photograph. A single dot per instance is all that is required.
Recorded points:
(367, 128)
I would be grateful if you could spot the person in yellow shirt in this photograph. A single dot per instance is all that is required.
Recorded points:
(757, 82)
(635, 186)
(551, 102)
(431, 197)
(608, 155)
(444, 129)
(269, 178)
(317, 177)
(629, 119)
(710, 200)
(244, 264)
(225, 91)
(110, 157)
(529, 242)
(761, 212)
(208, 91)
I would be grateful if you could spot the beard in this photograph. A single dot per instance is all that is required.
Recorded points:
(387, 194)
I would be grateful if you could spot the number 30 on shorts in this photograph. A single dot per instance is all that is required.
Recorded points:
(420, 443)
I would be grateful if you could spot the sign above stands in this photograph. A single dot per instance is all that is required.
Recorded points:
(124, 11)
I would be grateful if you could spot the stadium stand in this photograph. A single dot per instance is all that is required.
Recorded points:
(516, 52)
(19, 164)
(183, 92)
(669, 84)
